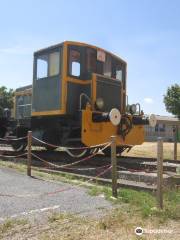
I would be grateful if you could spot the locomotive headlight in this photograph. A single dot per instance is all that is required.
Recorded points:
(115, 116)
(99, 103)
(133, 108)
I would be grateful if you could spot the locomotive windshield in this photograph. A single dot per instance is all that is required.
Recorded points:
(48, 64)
(103, 63)
(85, 60)
(74, 63)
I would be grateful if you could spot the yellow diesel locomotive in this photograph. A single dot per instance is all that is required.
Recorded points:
(78, 98)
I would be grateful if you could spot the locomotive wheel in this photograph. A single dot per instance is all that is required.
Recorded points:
(107, 151)
(19, 146)
(51, 136)
(3, 131)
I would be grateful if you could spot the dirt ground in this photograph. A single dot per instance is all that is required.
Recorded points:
(149, 149)
(117, 226)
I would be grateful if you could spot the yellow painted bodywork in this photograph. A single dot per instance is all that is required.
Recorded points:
(93, 133)
(47, 113)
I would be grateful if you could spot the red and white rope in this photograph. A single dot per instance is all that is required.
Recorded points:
(79, 169)
(70, 148)
(57, 191)
(91, 179)
(12, 139)
(16, 156)
(70, 164)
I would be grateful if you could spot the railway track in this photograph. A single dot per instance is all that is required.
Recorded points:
(136, 163)
(133, 172)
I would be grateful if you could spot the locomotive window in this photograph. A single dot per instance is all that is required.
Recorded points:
(42, 66)
(119, 74)
(107, 66)
(48, 65)
(91, 60)
(53, 63)
(118, 70)
(74, 63)
(75, 69)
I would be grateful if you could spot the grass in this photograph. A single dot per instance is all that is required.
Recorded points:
(149, 149)
(10, 224)
(21, 167)
(144, 203)
(59, 217)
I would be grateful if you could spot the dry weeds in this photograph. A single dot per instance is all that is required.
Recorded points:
(149, 149)
(119, 225)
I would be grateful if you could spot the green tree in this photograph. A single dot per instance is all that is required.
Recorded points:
(172, 100)
(6, 99)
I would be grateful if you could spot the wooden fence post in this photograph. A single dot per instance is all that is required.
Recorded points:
(29, 153)
(160, 173)
(175, 142)
(114, 166)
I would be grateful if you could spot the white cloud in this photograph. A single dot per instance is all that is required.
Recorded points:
(148, 100)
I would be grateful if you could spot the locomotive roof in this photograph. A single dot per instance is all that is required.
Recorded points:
(78, 44)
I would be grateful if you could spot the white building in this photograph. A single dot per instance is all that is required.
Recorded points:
(164, 128)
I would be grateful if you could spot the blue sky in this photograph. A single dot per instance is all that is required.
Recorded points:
(146, 33)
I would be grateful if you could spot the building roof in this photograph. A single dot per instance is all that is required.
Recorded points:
(171, 120)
